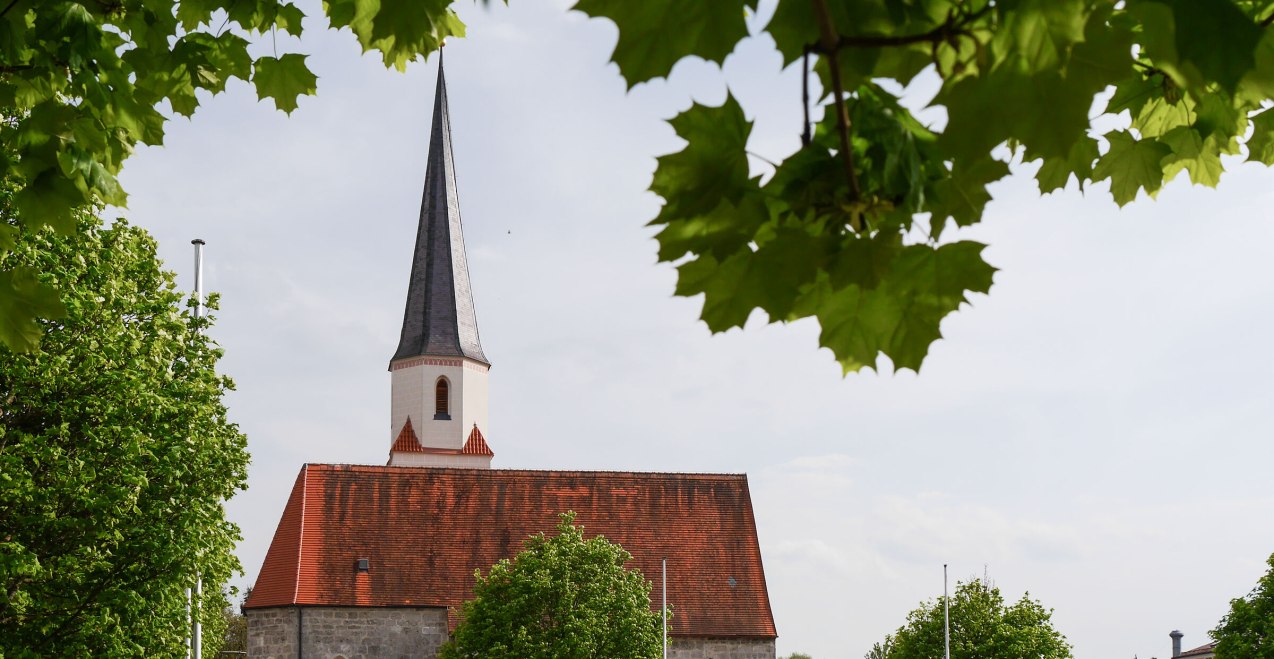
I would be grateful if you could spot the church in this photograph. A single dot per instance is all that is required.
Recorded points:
(375, 561)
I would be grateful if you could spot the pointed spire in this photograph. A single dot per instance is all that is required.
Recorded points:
(440, 318)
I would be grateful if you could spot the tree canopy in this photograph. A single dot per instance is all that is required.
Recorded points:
(562, 597)
(1247, 631)
(854, 229)
(116, 456)
(982, 627)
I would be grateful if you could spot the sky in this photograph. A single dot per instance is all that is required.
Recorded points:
(1095, 431)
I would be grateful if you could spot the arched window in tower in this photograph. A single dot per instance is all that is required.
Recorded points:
(442, 400)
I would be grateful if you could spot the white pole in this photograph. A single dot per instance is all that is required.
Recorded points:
(196, 633)
(198, 243)
(664, 610)
(188, 641)
(196, 639)
(946, 617)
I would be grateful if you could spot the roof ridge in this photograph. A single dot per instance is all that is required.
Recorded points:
(373, 467)
(300, 536)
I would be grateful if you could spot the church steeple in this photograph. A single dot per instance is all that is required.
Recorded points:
(439, 373)
(439, 319)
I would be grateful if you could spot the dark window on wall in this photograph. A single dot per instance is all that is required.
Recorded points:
(442, 409)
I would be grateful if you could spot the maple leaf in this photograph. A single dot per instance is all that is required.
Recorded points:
(283, 79)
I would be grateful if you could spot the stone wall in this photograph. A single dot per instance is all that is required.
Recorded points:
(400, 633)
(721, 648)
(272, 633)
(347, 632)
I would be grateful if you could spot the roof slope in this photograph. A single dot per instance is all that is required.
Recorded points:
(425, 530)
(440, 318)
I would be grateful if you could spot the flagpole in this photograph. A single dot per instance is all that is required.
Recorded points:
(946, 617)
(664, 612)
(195, 651)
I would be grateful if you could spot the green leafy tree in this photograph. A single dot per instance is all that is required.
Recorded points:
(115, 456)
(982, 627)
(853, 229)
(83, 82)
(881, 650)
(1247, 631)
(562, 597)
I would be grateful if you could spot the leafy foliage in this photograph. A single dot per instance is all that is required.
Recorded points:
(562, 597)
(982, 627)
(850, 228)
(1247, 631)
(83, 83)
(115, 456)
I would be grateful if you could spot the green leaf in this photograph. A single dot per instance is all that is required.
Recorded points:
(656, 34)
(1039, 34)
(1056, 172)
(769, 278)
(283, 79)
(713, 167)
(23, 299)
(1260, 147)
(49, 200)
(962, 196)
(1194, 154)
(404, 30)
(901, 317)
(1131, 165)
(1216, 38)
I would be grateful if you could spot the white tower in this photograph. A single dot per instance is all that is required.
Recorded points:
(438, 409)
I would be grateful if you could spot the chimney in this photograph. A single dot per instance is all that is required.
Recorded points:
(1176, 642)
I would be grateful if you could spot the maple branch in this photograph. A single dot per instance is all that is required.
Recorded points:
(805, 96)
(828, 41)
(956, 25)
(8, 7)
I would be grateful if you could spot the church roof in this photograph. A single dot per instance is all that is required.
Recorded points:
(425, 531)
(439, 318)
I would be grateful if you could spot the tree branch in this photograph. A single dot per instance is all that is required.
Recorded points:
(955, 25)
(8, 7)
(828, 41)
(805, 97)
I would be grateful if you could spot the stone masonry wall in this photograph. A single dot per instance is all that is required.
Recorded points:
(720, 648)
(347, 633)
(272, 633)
(393, 633)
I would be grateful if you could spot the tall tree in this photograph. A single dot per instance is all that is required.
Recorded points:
(982, 627)
(853, 229)
(1247, 631)
(116, 456)
(562, 597)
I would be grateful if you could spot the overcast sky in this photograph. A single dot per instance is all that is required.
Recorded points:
(1095, 431)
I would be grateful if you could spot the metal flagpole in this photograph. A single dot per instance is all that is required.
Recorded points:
(946, 617)
(196, 634)
(664, 611)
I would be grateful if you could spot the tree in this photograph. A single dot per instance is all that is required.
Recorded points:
(562, 597)
(853, 229)
(881, 650)
(982, 627)
(115, 456)
(1247, 631)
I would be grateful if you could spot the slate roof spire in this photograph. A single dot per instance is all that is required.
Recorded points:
(439, 319)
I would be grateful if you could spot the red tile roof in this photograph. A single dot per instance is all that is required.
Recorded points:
(425, 530)
(407, 441)
(476, 445)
